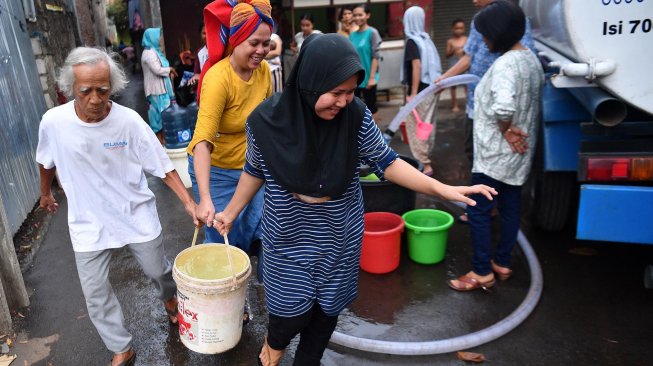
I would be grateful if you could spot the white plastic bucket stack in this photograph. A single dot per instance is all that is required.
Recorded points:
(211, 310)
(179, 159)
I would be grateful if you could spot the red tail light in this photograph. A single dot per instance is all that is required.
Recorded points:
(621, 168)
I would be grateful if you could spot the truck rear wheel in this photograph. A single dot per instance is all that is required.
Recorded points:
(553, 196)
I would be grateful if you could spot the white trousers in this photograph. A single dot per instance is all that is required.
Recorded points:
(101, 302)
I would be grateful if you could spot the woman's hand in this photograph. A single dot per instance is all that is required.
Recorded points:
(205, 212)
(222, 222)
(173, 73)
(460, 193)
(371, 82)
(516, 138)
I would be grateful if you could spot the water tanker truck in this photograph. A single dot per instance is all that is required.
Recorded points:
(595, 149)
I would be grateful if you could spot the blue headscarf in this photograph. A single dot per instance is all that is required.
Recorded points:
(151, 40)
(414, 29)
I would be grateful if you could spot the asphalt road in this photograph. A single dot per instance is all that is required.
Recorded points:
(594, 309)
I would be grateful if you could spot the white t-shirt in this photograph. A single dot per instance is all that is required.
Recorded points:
(275, 62)
(203, 55)
(101, 167)
(299, 38)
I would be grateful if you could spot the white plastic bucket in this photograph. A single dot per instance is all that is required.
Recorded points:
(211, 310)
(179, 159)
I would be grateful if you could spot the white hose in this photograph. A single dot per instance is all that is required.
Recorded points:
(466, 341)
(432, 89)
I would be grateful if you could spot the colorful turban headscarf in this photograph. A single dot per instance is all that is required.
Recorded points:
(228, 24)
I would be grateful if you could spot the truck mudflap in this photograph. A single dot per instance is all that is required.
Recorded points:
(615, 213)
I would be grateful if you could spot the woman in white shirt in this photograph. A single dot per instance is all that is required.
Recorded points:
(306, 23)
(156, 79)
(274, 60)
(505, 126)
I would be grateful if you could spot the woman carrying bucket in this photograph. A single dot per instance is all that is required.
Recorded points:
(306, 144)
(235, 80)
(421, 68)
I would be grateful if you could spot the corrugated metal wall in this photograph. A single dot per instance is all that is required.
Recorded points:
(21, 107)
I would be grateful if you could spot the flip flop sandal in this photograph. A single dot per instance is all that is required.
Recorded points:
(475, 284)
(131, 361)
(502, 272)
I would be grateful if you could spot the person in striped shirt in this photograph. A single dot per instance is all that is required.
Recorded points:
(306, 145)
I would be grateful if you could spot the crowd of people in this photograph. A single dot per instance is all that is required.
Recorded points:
(275, 165)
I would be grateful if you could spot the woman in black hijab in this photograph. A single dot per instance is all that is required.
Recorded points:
(306, 144)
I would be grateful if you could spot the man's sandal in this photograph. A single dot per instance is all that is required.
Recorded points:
(502, 272)
(131, 361)
(475, 284)
(269, 356)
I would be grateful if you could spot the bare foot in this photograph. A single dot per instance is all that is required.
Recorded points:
(270, 356)
(455, 109)
(171, 309)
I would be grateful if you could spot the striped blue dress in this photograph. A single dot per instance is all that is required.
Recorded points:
(312, 251)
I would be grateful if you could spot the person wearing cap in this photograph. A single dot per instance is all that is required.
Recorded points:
(306, 144)
(235, 79)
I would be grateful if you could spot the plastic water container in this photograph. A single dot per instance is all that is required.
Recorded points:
(427, 234)
(404, 133)
(192, 109)
(179, 159)
(385, 196)
(211, 296)
(381, 242)
(176, 126)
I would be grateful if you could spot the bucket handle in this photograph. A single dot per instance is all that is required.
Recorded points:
(231, 267)
(197, 229)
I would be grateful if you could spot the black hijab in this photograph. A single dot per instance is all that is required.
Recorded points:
(304, 153)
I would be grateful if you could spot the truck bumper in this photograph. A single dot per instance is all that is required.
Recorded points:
(615, 213)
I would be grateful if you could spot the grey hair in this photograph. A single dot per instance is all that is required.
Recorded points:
(91, 56)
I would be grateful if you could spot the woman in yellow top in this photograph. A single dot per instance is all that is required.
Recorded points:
(230, 90)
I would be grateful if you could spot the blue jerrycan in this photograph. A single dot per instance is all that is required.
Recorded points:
(178, 132)
(192, 109)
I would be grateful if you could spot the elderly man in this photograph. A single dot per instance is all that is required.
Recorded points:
(101, 151)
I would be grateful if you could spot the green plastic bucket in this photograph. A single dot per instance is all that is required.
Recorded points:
(427, 234)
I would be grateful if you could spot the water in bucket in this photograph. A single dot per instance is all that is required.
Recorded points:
(211, 296)
(210, 263)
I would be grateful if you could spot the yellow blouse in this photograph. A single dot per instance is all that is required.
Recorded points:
(225, 103)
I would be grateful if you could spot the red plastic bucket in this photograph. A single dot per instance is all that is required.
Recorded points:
(381, 242)
(404, 133)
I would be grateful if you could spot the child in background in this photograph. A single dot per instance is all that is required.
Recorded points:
(455, 51)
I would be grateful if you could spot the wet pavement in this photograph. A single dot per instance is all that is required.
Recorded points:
(594, 309)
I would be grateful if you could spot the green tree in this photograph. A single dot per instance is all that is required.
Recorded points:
(117, 10)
